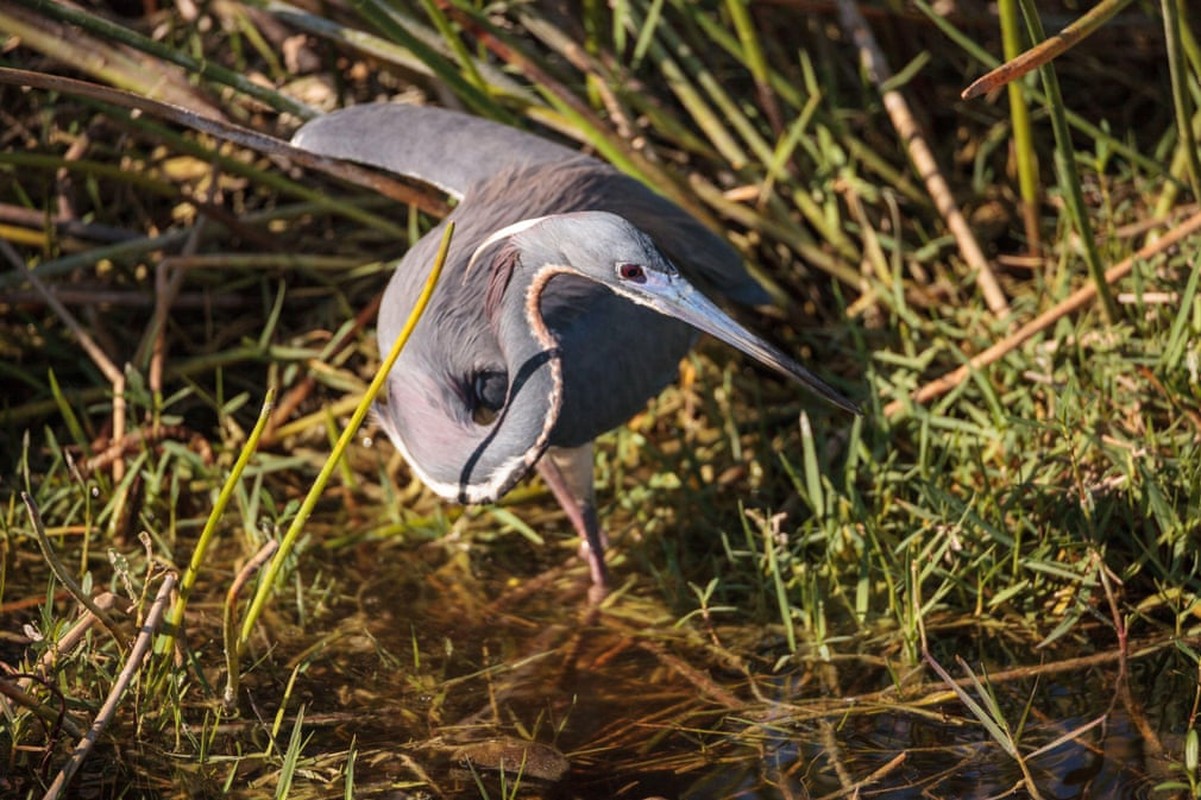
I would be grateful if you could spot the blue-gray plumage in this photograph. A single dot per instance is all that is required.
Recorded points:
(560, 311)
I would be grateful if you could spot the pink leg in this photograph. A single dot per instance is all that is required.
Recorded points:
(568, 475)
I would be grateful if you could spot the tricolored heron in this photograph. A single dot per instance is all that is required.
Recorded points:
(560, 311)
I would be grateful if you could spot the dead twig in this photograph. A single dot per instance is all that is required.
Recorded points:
(701, 681)
(75, 636)
(167, 284)
(876, 775)
(17, 694)
(63, 226)
(83, 296)
(1077, 300)
(94, 351)
(233, 655)
(876, 66)
(132, 664)
(927, 693)
(63, 576)
(147, 437)
(1046, 50)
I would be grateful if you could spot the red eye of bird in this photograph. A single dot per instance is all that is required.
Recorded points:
(631, 272)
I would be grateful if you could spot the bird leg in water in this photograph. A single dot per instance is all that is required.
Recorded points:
(568, 474)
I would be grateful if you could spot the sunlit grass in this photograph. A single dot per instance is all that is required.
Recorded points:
(788, 579)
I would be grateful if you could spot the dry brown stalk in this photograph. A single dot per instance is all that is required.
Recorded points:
(137, 655)
(928, 693)
(84, 295)
(232, 649)
(141, 437)
(94, 351)
(38, 220)
(167, 283)
(64, 577)
(876, 775)
(35, 601)
(76, 633)
(1077, 300)
(1046, 50)
(876, 66)
(21, 697)
(703, 683)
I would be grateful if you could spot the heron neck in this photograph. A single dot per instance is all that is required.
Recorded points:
(522, 431)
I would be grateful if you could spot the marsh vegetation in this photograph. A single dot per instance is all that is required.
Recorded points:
(985, 586)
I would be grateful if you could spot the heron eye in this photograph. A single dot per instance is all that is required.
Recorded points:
(631, 272)
(488, 391)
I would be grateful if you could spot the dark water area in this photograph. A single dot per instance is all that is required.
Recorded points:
(444, 693)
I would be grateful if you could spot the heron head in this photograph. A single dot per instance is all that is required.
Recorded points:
(597, 245)
(608, 249)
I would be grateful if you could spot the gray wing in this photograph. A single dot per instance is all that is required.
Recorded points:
(446, 149)
(488, 163)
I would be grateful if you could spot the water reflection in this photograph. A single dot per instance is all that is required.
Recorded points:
(626, 705)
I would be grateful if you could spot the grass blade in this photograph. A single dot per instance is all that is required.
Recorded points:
(267, 585)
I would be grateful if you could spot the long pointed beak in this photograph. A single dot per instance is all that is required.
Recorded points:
(687, 304)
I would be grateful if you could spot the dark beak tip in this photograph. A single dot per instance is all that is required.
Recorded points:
(828, 393)
(850, 406)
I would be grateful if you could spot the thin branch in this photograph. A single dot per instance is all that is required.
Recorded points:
(63, 576)
(39, 220)
(148, 436)
(1046, 50)
(87, 297)
(132, 664)
(167, 285)
(1077, 300)
(876, 66)
(864, 783)
(94, 351)
(233, 647)
(75, 635)
(17, 693)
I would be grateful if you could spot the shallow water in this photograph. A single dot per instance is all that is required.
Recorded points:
(623, 704)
